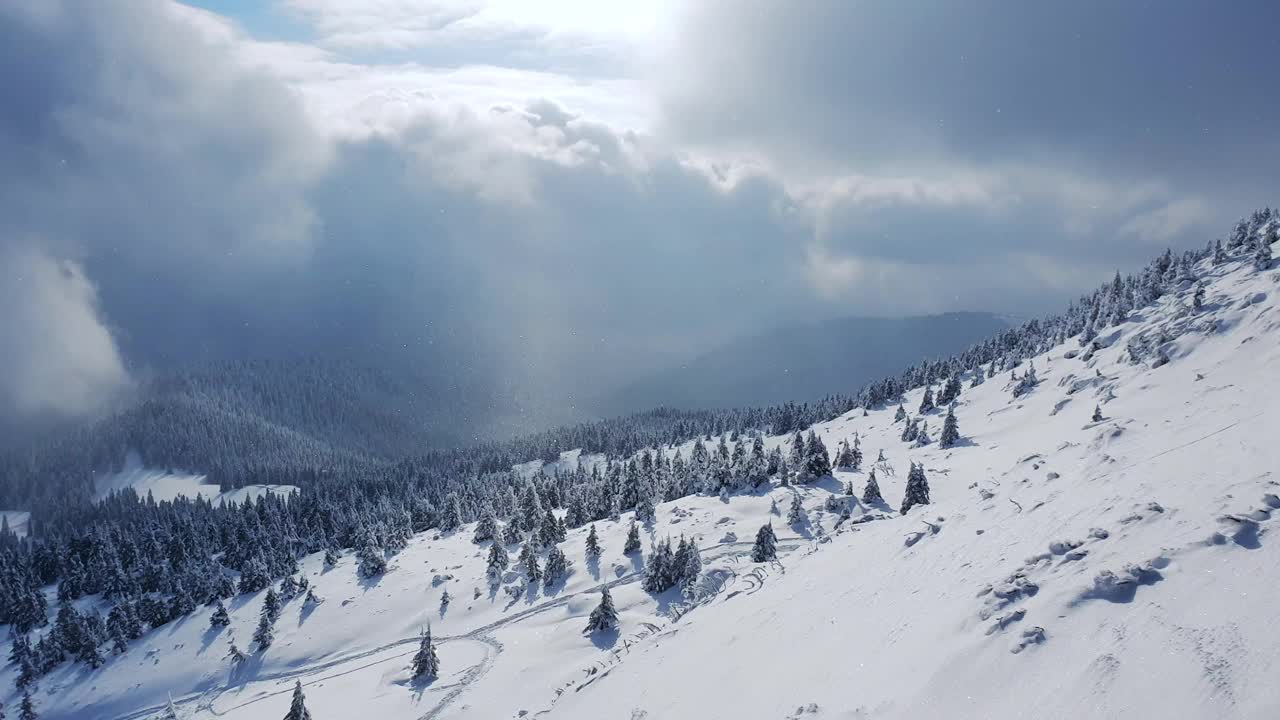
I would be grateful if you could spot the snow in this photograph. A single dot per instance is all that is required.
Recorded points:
(165, 485)
(1065, 568)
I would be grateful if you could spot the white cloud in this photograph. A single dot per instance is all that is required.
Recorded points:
(59, 360)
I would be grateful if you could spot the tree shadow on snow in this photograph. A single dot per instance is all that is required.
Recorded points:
(210, 635)
(605, 639)
(593, 567)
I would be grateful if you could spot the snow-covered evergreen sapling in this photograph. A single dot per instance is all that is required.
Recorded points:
(1197, 299)
(950, 429)
(557, 566)
(593, 544)
(917, 489)
(529, 559)
(901, 414)
(264, 635)
(604, 617)
(871, 493)
(926, 401)
(498, 562)
(632, 545)
(796, 515)
(445, 599)
(298, 707)
(219, 618)
(27, 708)
(426, 664)
(1097, 413)
(766, 546)
(234, 655)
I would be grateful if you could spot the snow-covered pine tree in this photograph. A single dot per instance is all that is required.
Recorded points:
(632, 545)
(796, 459)
(950, 429)
(645, 510)
(926, 401)
(298, 707)
(311, 600)
(1262, 249)
(1219, 255)
(445, 599)
(372, 560)
(288, 587)
(331, 556)
(264, 635)
(660, 571)
(529, 559)
(593, 544)
(922, 436)
(844, 456)
(910, 430)
(917, 492)
(451, 518)
(271, 605)
(557, 566)
(817, 462)
(796, 515)
(219, 618)
(234, 655)
(487, 526)
(871, 493)
(426, 664)
(498, 562)
(1197, 299)
(604, 617)
(511, 534)
(551, 532)
(27, 708)
(1097, 413)
(766, 547)
(901, 414)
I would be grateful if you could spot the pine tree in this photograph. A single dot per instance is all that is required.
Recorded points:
(498, 562)
(593, 544)
(796, 459)
(604, 617)
(271, 605)
(529, 558)
(1219, 255)
(660, 573)
(901, 414)
(234, 655)
(632, 545)
(556, 568)
(1197, 300)
(1262, 249)
(331, 556)
(219, 618)
(950, 430)
(445, 599)
(871, 493)
(264, 635)
(511, 534)
(766, 547)
(298, 709)
(426, 664)
(926, 402)
(311, 600)
(27, 710)
(796, 515)
(817, 462)
(922, 436)
(917, 489)
(373, 561)
(1097, 413)
(487, 527)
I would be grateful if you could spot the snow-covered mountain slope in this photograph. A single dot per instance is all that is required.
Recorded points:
(164, 485)
(1066, 568)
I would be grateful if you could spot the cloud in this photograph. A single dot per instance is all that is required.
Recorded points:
(60, 360)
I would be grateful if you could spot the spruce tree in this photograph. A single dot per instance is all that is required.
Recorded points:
(604, 617)
(593, 544)
(498, 562)
(234, 655)
(817, 463)
(766, 547)
(298, 708)
(796, 515)
(529, 559)
(556, 568)
(950, 430)
(331, 556)
(219, 618)
(926, 402)
(1097, 413)
(1197, 299)
(632, 545)
(871, 493)
(1262, 249)
(426, 664)
(901, 414)
(271, 604)
(487, 527)
(27, 710)
(511, 533)
(917, 489)
(264, 635)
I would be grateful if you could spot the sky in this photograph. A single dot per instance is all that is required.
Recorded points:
(551, 197)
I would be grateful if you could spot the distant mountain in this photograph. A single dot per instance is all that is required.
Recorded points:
(805, 361)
